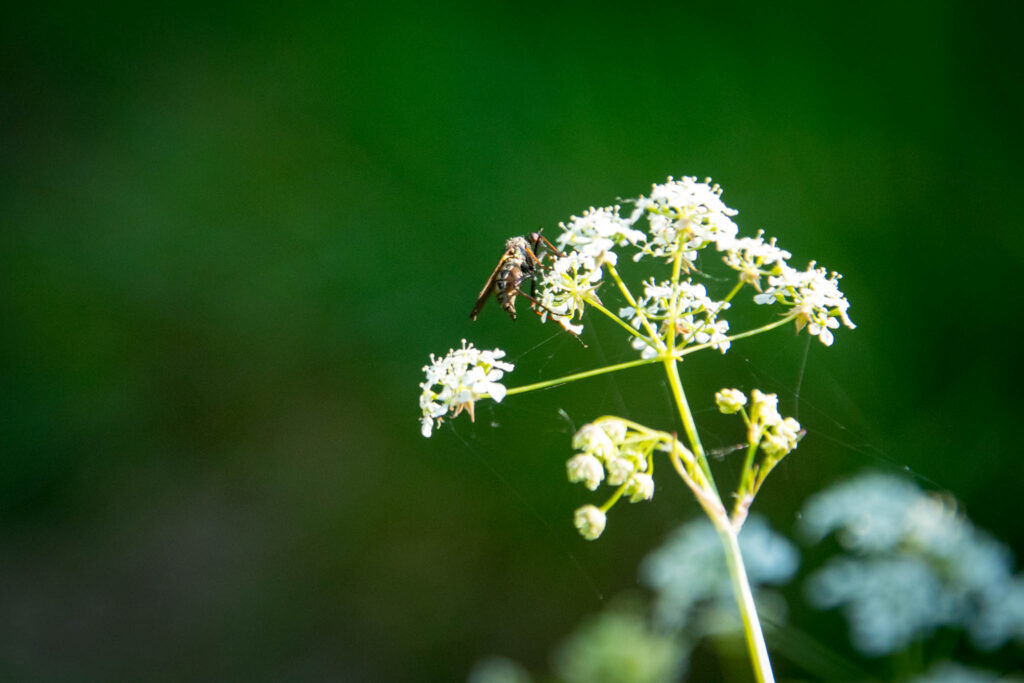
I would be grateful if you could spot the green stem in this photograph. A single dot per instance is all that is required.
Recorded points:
(745, 602)
(580, 375)
(632, 302)
(689, 426)
(741, 335)
(617, 319)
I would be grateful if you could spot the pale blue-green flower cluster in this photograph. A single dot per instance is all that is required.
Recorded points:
(913, 564)
(688, 570)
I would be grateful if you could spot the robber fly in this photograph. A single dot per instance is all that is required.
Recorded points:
(519, 262)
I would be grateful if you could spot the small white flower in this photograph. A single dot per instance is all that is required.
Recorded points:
(781, 438)
(695, 316)
(566, 286)
(614, 428)
(684, 215)
(764, 413)
(591, 438)
(586, 468)
(454, 383)
(619, 470)
(596, 233)
(814, 295)
(641, 487)
(730, 400)
(754, 258)
(590, 521)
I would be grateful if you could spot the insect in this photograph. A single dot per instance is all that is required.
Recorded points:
(519, 262)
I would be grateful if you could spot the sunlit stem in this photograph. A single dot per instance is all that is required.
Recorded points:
(615, 497)
(622, 323)
(740, 335)
(745, 601)
(672, 370)
(711, 500)
(632, 302)
(689, 426)
(580, 375)
(733, 292)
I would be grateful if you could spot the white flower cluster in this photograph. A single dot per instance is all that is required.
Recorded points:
(684, 215)
(777, 435)
(913, 564)
(566, 286)
(813, 294)
(597, 232)
(613, 454)
(754, 258)
(454, 383)
(682, 218)
(696, 316)
(573, 278)
(688, 573)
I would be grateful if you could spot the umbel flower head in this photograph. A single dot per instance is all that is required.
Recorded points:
(617, 454)
(454, 383)
(813, 294)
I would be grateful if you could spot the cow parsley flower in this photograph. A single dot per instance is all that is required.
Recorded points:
(589, 521)
(684, 215)
(570, 282)
(754, 258)
(454, 383)
(814, 295)
(596, 233)
(730, 400)
(695, 316)
(585, 468)
(913, 563)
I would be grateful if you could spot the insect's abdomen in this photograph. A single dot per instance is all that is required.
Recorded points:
(508, 282)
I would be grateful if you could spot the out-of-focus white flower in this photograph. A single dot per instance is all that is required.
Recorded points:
(459, 379)
(592, 438)
(586, 468)
(640, 487)
(814, 295)
(589, 521)
(777, 435)
(684, 215)
(688, 573)
(914, 563)
(619, 470)
(730, 400)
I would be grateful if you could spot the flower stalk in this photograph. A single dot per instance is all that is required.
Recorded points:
(666, 321)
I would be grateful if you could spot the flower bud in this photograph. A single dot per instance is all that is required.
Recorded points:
(590, 521)
(586, 468)
(641, 487)
(730, 400)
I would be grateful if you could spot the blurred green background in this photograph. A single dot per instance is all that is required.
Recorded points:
(232, 235)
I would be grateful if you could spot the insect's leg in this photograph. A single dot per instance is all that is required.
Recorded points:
(538, 305)
(554, 250)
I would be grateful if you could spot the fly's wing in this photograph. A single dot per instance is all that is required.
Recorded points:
(485, 293)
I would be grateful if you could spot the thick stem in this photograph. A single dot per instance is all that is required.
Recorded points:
(745, 601)
(686, 416)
